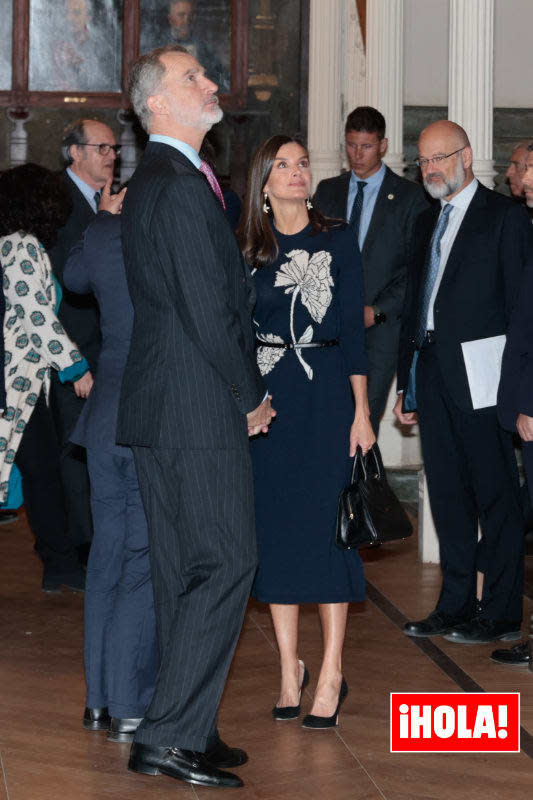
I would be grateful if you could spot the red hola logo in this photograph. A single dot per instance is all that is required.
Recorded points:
(455, 722)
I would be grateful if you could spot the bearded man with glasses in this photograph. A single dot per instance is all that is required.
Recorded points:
(89, 150)
(467, 256)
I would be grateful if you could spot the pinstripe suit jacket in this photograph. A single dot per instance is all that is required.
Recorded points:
(191, 374)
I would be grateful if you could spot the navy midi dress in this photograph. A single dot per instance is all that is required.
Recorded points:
(313, 292)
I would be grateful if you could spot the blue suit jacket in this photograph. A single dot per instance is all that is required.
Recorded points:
(515, 394)
(96, 265)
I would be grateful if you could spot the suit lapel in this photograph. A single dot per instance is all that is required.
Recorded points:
(473, 220)
(382, 208)
(82, 201)
(430, 220)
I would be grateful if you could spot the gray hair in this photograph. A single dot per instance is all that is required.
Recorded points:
(145, 78)
(74, 134)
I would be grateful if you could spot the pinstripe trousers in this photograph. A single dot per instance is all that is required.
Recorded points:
(200, 511)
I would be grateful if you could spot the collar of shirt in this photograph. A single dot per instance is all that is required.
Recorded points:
(373, 182)
(464, 198)
(86, 190)
(184, 148)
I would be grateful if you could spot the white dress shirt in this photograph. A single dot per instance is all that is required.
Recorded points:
(460, 205)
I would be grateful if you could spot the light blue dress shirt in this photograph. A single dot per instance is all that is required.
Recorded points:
(370, 195)
(86, 190)
(188, 151)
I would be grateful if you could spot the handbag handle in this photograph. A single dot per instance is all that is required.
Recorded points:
(361, 459)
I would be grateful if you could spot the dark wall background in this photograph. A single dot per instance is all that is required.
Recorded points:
(276, 97)
(276, 102)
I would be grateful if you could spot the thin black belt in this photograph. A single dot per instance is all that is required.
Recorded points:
(298, 345)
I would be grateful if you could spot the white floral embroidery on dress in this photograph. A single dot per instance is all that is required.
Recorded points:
(268, 357)
(309, 277)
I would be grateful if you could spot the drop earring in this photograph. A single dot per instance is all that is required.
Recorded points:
(309, 204)
(266, 205)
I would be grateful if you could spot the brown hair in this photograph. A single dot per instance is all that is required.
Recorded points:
(33, 200)
(255, 232)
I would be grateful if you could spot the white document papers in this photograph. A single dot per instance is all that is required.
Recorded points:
(483, 361)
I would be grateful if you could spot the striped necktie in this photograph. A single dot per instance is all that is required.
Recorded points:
(432, 273)
(357, 208)
(213, 183)
(97, 197)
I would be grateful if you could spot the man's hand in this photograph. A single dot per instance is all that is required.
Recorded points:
(524, 425)
(260, 418)
(83, 385)
(408, 418)
(369, 316)
(111, 202)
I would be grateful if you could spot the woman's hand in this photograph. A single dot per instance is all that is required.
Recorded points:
(361, 434)
(83, 385)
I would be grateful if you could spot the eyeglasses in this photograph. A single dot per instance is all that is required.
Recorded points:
(425, 162)
(103, 149)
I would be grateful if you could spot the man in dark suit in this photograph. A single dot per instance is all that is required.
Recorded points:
(190, 396)
(382, 209)
(120, 648)
(468, 253)
(515, 395)
(89, 150)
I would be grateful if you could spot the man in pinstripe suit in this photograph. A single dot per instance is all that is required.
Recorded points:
(191, 395)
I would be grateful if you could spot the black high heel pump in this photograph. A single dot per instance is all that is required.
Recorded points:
(291, 712)
(312, 721)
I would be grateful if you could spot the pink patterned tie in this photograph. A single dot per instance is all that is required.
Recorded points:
(213, 183)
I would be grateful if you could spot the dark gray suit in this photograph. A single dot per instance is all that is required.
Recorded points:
(190, 379)
(120, 646)
(385, 258)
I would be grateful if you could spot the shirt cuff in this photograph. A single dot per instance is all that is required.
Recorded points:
(75, 372)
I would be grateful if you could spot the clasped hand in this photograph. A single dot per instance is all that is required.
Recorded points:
(260, 418)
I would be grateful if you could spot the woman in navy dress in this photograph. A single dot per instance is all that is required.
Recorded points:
(310, 332)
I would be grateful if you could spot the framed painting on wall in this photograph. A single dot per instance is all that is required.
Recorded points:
(210, 30)
(75, 46)
(54, 52)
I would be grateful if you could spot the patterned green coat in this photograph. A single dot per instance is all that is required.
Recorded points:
(34, 339)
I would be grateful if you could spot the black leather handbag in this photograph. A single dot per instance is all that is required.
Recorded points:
(369, 513)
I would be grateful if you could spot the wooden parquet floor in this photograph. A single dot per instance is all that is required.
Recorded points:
(46, 755)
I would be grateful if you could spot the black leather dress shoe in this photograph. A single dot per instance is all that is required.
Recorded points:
(96, 719)
(122, 729)
(222, 756)
(436, 624)
(517, 656)
(185, 765)
(484, 631)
